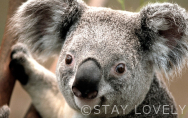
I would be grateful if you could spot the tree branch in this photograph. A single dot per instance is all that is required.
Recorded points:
(7, 81)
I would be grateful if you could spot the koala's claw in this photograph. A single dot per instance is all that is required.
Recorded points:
(4, 111)
(19, 56)
(19, 48)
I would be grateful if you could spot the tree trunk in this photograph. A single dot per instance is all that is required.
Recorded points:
(7, 81)
(32, 113)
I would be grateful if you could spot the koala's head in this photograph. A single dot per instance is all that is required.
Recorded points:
(106, 57)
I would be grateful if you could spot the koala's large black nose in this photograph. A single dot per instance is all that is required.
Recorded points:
(87, 80)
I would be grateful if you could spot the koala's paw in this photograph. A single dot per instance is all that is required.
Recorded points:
(4, 111)
(19, 62)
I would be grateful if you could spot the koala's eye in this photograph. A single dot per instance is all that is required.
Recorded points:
(120, 68)
(68, 59)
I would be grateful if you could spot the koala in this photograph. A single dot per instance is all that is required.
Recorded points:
(4, 111)
(108, 59)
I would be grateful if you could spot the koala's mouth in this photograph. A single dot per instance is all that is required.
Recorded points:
(80, 102)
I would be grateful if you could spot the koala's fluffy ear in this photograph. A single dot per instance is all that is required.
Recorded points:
(163, 35)
(43, 24)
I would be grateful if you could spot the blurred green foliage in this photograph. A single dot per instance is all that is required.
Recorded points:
(141, 2)
(185, 112)
(3, 16)
(145, 2)
(122, 2)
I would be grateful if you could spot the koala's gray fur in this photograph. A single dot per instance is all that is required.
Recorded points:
(153, 40)
(4, 111)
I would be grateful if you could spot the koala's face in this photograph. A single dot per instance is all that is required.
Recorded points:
(104, 65)
(107, 57)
